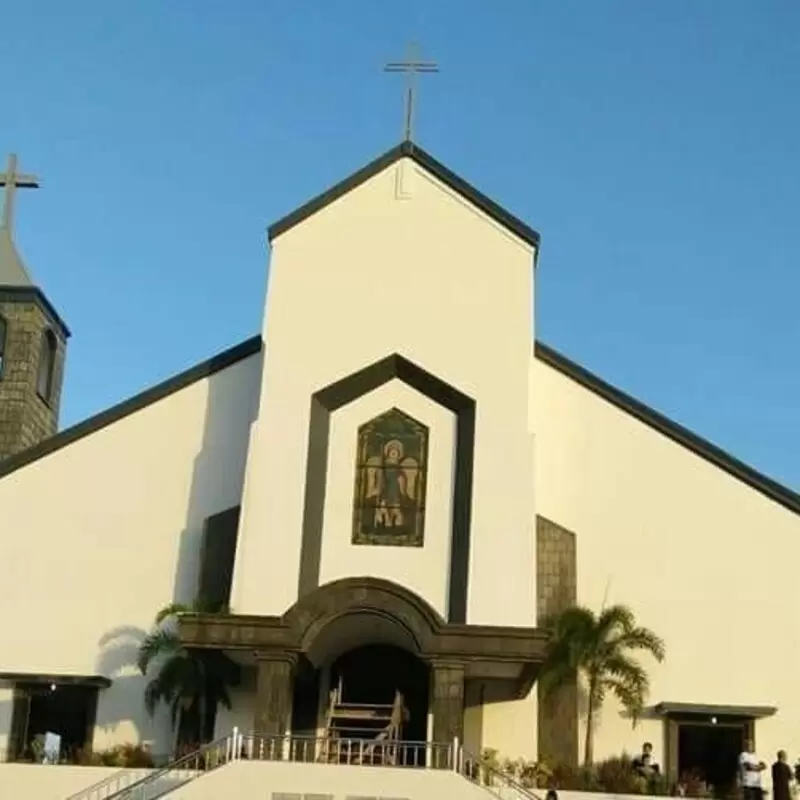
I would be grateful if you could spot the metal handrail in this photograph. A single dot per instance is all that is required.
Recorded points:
(471, 767)
(346, 750)
(95, 791)
(223, 749)
(309, 749)
(121, 783)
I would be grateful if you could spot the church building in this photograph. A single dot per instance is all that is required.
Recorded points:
(389, 487)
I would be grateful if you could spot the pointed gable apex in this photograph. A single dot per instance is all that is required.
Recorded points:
(427, 162)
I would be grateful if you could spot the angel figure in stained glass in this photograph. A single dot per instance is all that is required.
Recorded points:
(392, 481)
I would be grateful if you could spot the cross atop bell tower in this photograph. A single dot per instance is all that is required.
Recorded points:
(33, 338)
(12, 181)
(12, 269)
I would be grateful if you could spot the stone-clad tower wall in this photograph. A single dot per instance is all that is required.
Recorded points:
(33, 339)
(32, 357)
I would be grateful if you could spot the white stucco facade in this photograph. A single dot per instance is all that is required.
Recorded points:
(420, 281)
(690, 547)
(100, 533)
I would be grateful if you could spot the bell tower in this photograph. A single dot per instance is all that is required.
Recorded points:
(33, 339)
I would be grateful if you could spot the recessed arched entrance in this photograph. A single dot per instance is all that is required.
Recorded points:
(370, 685)
(355, 627)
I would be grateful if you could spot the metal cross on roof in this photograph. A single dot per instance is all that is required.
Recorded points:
(411, 67)
(13, 180)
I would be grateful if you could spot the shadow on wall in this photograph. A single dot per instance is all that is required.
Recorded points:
(216, 485)
(121, 715)
(219, 467)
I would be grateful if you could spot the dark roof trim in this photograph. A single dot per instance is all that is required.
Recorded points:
(672, 430)
(98, 681)
(324, 402)
(701, 447)
(105, 418)
(752, 712)
(32, 294)
(428, 162)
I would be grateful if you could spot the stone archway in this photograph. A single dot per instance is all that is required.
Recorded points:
(363, 641)
(393, 608)
(350, 612)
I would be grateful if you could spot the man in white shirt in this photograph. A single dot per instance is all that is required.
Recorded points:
(750, 769)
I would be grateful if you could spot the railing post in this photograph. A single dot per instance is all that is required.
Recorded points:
(287, 747)
(455, 754)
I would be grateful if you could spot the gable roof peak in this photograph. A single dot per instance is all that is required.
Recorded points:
(408, 149)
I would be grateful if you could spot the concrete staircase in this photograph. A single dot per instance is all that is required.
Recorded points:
(252, 767)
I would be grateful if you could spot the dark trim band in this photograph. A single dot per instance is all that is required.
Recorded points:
(428, 162)
(96, 681)
(33, 294)
(672, 430)
(336, 395)
(111, 415)
(683, 436)
(707, 710)
(300, 630)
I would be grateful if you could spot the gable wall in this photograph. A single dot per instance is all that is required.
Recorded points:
(705, 560)
(403, 265)
(99, 535)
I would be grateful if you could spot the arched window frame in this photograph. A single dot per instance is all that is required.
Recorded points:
(374, 517)
(3, 343)
(47, 366)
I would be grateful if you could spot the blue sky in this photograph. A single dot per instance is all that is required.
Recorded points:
(655, 146)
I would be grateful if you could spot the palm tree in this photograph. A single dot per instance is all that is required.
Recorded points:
(596, 650)
(192, 682)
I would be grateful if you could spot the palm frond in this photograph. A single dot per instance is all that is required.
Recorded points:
(185, 678)
(643, 639)
(614, 617)
(631, 695)
(175, 707)
(157, 644)
(555, 675)
(623, 668)
(597, 649)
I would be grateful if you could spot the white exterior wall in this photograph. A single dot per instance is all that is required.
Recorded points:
(54, 781)
(704, 560)
(239, 715)
(510, 726)
(401, 265)
(99, 535)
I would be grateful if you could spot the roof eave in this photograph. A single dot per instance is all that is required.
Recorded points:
(428, 162)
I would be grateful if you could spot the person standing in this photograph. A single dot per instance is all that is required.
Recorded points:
(644, 764)
(750, 769)
(781, 778)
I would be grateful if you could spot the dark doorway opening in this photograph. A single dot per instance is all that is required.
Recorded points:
(373, 674)
(66, 710)
(710, 753)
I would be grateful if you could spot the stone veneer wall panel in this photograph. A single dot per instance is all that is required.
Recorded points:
(557, 589)
(25, 419)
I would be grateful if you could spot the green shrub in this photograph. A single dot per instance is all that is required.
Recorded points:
(615, 775)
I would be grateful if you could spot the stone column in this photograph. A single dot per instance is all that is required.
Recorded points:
(556, 588)
(272, 714)
(447, 700)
